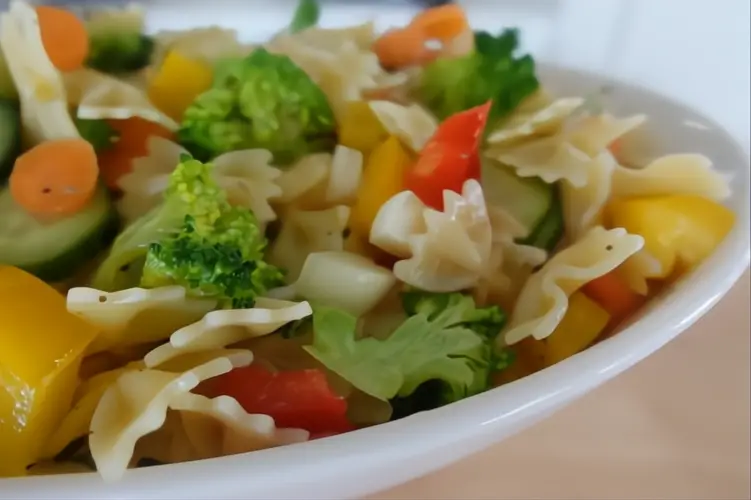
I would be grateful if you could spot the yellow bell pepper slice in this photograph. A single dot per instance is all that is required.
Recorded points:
(360, 128)
(583, 322)
(41, 345)
(678, 230)
(177, 82)
(383, 178)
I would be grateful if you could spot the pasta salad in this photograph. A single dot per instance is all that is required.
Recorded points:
(210, 247)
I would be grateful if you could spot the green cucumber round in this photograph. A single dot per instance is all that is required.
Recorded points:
(55, 251)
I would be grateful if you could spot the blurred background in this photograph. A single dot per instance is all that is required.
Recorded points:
(696, 51)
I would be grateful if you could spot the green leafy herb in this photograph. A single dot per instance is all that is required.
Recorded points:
(419, 350)
(306, 15)
(491, 72)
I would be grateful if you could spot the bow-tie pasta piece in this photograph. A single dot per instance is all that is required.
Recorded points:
(143, 187)
(41, 90)
(400, 218)
(535, 123)
(543, 300)
(135, 316)
(583, 205)
(76, 423)
(412, 124)
(246, 176)
(136, 405)
(593, 134)
(304, 232)
(510, 263)
(567, 154)
(339, 60)
(454, 250)
(100, 96)
(321, 180)
(210, 44)
(219, 329)
(249, 180)
(220, 426)
(690, 174)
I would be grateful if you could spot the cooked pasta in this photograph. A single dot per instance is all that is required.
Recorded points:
(241, 246)
(543, 299)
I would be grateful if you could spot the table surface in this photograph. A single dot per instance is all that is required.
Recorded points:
(676, 426)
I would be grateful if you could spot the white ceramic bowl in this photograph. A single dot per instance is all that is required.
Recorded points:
(369, 460)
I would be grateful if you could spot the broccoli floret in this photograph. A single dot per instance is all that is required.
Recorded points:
(118, 53)
(195, 239)
(97, 132)
(261, 101)
(491, 72)
(191, 192)
(224, 261)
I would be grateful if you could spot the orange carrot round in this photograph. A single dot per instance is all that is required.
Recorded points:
(64, 37)
(55, 178)
(401, 48)
(442, 23)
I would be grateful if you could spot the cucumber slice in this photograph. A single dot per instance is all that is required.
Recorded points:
(531, 201)
(549, 231)
(55, 251)
(10, 136)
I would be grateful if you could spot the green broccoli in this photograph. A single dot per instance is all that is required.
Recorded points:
(119, 53)
(491, 72)
(261, 101)
(487, 321)
(194, 239)
(455, 310)
(97, 132)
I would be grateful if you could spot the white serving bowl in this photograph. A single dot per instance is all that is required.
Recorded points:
(369, 460)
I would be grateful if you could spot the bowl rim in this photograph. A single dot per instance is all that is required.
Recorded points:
(485, 413)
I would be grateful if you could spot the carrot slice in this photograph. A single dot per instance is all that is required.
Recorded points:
(614, 295)
(442, 23)
(132, 143)
(400, 48)
(55, 178)
(64, 37)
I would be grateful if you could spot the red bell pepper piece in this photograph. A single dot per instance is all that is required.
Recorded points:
(299, 399)
(450, 157)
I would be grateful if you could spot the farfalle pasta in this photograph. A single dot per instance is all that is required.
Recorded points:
(136, 316)
(303, 232)
(544, 297)
(238, 246)
(452, 251)
(535, 122)
(219, 329)
(411, 124)
(41, 89)
(246, 175)
(101, 96)
(136, 405)
(340, 61)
